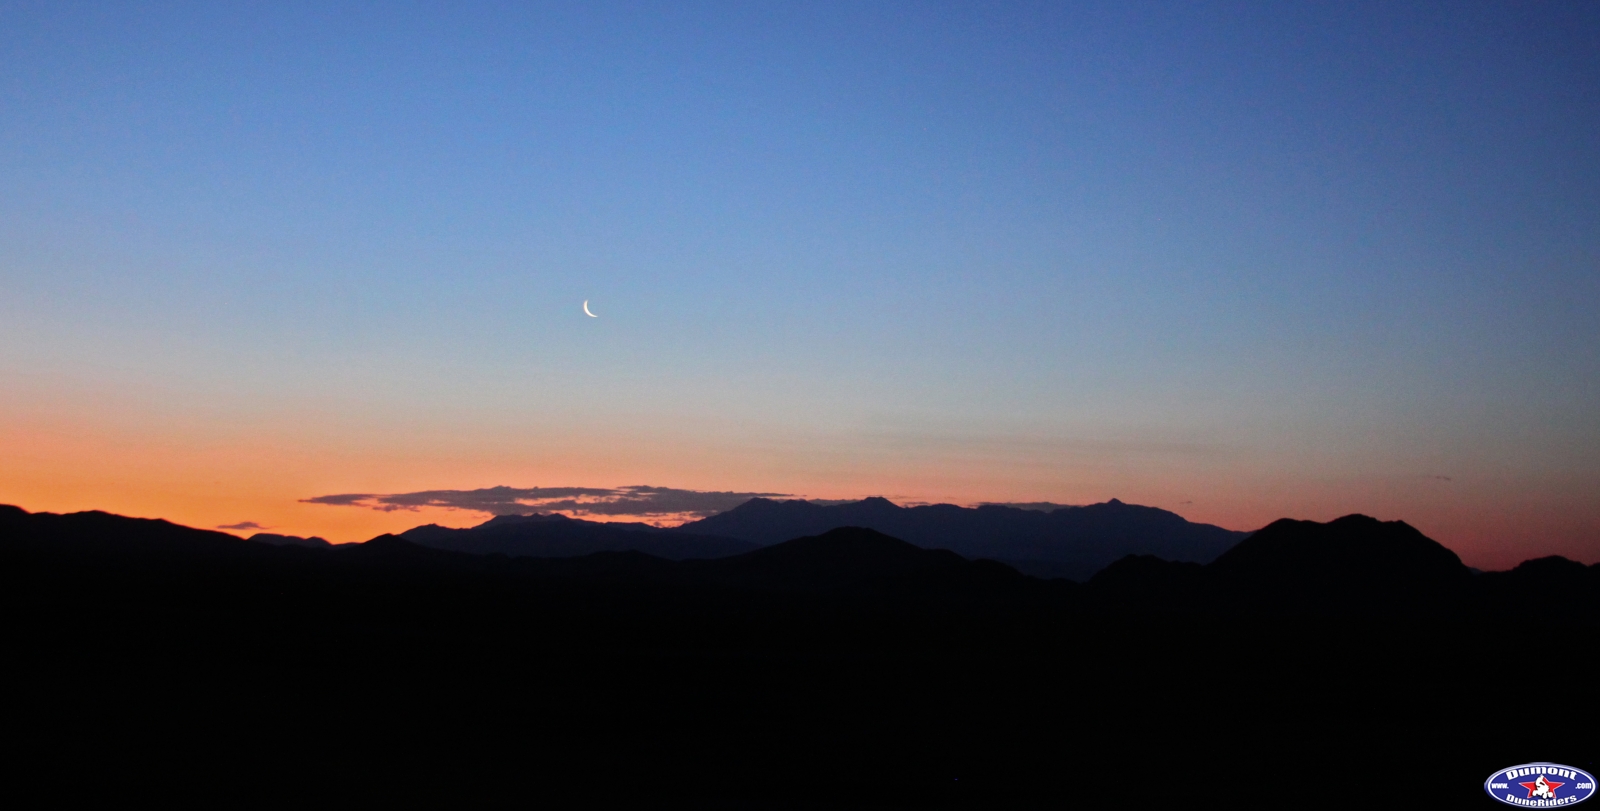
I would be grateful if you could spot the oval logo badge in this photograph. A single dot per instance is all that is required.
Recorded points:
(1540, 785)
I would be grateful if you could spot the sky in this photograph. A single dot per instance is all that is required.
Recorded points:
(1241, 261)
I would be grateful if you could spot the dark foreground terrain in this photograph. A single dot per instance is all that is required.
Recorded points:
(1352, 664)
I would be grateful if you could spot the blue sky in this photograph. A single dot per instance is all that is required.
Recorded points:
(1268, 259)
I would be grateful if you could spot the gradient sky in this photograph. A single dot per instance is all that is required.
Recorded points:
(1238, 260)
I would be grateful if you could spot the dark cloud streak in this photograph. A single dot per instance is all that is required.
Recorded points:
(634, 500)
(343, 500)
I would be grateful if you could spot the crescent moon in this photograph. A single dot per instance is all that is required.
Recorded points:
(586, 310)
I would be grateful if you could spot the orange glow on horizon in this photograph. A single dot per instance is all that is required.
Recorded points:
(63, 463)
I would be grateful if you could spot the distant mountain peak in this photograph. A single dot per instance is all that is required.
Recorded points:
(288, 540)
(850, 540)
(1350, 559)
(503, 520)
(1358, 519)
(553, 535)
(387, 541)
(849, 557)
(1071, 542)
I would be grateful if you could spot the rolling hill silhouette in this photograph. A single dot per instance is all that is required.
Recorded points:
(1352, 565)
(288, 540)
(1354, 562)
(843, 560)
(1071, 542)
(853, 559)
(844, 669)
(556, 536)
(93, 535)
(848, 564)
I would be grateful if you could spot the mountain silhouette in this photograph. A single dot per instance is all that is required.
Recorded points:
(856, 558)
(1354, 547)
(1352, 564)
(288, 540)
(1348, 563)
(849, 562)
(845, 668)
(1071, 542)
(1540, 588)
(1146, 583)
(96, 536)
(557, 536)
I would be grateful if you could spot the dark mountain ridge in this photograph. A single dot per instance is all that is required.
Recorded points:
(1355, 565)
(853, 558)
(841, 560)
(843, 669)
(94, 533)
(557, 536)
(1071, 542)
(288, 540)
